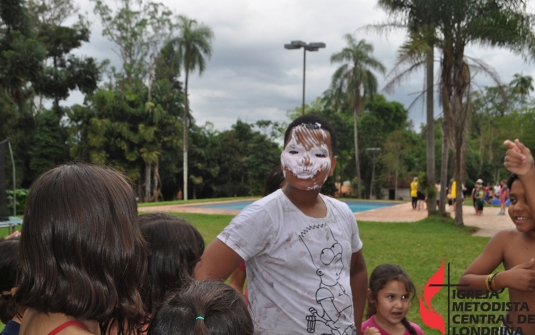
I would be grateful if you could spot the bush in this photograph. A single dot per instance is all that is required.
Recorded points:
(21, 195)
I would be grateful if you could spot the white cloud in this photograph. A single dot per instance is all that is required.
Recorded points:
(251, 76)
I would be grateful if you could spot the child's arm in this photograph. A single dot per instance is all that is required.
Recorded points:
(237, 279)
(519, 277)
(359, 284)
(518, 159)
(217, 262)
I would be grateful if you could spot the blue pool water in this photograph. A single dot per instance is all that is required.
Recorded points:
(355, 206)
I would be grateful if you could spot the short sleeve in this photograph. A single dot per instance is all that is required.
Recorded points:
(349, 223)
(356, 242)
(246, 233)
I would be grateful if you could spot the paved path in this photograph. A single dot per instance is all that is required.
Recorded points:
(489, 223)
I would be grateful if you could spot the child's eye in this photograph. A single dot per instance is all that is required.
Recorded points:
(293, 152)
(513, 201)
(321, 155)
(405, 297)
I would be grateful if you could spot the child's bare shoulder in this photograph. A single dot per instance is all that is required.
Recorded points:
(517, 247)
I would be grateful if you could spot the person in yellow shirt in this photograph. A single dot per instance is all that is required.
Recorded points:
(453, 192)
(414, 192)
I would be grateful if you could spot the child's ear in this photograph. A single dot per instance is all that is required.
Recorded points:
(333, 166)
(369, 294)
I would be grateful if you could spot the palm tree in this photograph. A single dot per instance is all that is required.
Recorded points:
(522, 85)
(193, 45)
(418, 52)
(417, 16)
(489, 22)
(356, 79)
(457, 24)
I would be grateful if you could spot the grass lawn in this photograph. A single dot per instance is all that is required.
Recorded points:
(418, 247)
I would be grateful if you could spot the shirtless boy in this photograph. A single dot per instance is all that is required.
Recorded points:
(305, 269)
(515, 248)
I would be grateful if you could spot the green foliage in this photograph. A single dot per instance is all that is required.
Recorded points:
(50, 146)
(246, 161)
(354, 80)
(20, 195)
(67, 72)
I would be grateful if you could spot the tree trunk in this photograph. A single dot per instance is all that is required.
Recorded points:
(185, 123)
(430, 172)
(357, 161)
(147, 182)
(431, 203)
(461, 82)
(396, 186)
(444, 167)
(156, 181)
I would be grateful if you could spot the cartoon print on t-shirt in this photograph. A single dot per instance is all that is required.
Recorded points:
(335, 304)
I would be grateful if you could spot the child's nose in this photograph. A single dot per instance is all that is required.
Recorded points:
(306, 160)
(519, 206)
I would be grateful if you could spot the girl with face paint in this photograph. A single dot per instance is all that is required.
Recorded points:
(296, 271)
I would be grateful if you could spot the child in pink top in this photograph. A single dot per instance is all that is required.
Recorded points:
(388, 302)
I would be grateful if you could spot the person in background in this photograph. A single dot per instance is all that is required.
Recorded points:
(10, 313)
(504, 195)
(479, 197)
(414, 193)
(174, 248)
(497, 188)
(438, 188)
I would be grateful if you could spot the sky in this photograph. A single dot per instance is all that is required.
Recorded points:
(251, 76)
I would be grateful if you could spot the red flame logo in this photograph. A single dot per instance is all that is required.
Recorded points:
(429, 315)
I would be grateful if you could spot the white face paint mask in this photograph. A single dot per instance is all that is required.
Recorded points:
(307, 154)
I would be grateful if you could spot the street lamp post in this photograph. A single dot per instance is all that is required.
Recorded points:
(372, 184)
(306, 47)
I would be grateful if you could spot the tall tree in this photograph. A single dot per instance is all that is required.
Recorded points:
(490, 22)
(522, 85)
(458, 23)
(139, 29)
(417, 17)
(355, 77)
(194, 45)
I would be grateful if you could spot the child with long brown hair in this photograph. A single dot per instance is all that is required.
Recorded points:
(82, 256)
(389, 294)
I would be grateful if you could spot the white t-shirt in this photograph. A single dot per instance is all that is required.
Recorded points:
(497, 190)
(297, 266)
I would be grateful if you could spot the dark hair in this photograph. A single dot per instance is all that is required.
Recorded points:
(274, 180)
(81, 250)
(204, 308)
(9, 264)
(380, 277)
(511, 179)
(174, 248)
(312, 121)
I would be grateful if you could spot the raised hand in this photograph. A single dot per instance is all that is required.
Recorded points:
(518, 158)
